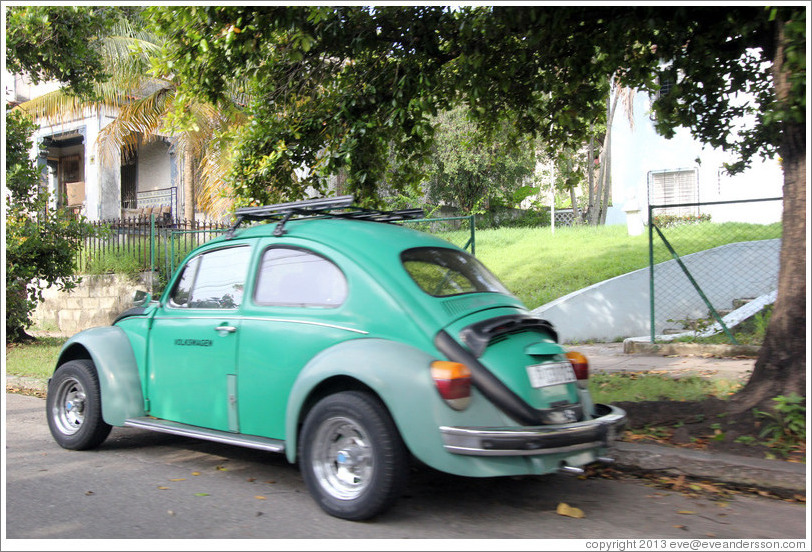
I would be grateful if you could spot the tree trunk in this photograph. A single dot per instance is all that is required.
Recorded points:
(576, 213)
(607, 163)
(590, 170)
(781, 365)
(597, 214)
(188, 184)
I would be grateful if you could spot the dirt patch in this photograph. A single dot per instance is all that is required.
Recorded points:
(702, 425)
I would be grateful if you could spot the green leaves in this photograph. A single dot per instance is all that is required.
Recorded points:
(352, 89)
(38, 38)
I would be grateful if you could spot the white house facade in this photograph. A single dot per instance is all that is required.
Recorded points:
(648, 169)
(101, 185)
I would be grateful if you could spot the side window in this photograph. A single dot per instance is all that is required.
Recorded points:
(294, 277)
(213, 280)
(183, 289)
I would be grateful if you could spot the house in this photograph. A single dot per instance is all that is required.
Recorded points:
(648, 169)
(101, 186)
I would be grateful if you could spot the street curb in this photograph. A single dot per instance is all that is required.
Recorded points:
(725, 468)
(26, 384)
(686, 349)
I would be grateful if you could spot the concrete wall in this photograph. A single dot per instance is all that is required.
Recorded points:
(620, 307)
(96, 301)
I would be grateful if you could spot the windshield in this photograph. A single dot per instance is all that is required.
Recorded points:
(444, 272)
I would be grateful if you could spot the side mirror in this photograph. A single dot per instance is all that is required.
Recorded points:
(141, 298)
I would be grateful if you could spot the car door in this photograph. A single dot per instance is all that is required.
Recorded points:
(193, 342)
(298, 309)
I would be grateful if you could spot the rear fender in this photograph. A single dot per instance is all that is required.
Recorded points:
(112, 354)
(401, 377)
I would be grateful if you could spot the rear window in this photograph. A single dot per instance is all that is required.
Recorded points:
(444, 272)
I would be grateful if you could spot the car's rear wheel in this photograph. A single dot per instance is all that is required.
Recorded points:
(351, 456)
(74, 406)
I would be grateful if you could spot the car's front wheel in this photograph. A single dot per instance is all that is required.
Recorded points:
(351, 455)
(74, 406)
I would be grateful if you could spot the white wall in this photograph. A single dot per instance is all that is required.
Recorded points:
(154, 166)
(620, 307)
(637, 151)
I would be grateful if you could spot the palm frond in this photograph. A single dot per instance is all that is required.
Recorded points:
(139, 119)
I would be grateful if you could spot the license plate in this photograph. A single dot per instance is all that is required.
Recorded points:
(552, 373)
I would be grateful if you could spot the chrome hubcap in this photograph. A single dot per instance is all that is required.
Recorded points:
(69, 406)
(342, 458)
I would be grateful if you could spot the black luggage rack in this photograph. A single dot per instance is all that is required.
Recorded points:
(318, 208)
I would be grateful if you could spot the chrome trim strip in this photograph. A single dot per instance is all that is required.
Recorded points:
(480, 452)
(175, 428)
(536, 440)
(263, 319)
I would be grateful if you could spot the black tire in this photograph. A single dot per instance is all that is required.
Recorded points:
(352, 458)
(73, 406)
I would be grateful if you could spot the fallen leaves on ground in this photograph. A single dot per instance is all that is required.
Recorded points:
(565, 509)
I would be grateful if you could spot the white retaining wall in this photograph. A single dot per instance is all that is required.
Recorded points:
(620, 307)
(96, 301)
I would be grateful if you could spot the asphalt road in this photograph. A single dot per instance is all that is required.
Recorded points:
(143, 485)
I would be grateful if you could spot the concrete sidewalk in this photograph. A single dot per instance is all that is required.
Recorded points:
(688, 360)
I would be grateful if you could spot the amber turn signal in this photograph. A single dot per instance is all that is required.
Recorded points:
(453, 381)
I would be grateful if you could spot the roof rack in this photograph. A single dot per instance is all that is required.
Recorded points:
(312, 208)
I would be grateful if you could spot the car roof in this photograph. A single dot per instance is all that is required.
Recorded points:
(363, 237)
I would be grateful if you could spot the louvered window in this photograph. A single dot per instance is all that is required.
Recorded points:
(674, 188)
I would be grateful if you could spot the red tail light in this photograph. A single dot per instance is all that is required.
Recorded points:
(453, 381)
(580, 365)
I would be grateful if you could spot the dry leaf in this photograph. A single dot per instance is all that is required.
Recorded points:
(88, 493)
(679, 482)
(195, 473)
(565, 509)
(687, 512)
(163, 488)
(221, 468)
(260, 497)
(178, 479)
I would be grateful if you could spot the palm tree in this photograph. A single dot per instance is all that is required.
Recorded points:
(146, 109)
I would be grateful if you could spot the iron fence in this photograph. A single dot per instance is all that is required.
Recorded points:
(703, 273)
(154, 244)
(157, 244)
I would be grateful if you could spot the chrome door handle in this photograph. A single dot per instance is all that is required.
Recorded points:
(227, 329)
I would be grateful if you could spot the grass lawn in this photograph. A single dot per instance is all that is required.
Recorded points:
(34, 360)
(539, 266)
(633, 386)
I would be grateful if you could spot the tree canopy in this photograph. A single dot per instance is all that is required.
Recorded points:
(59, 44)
(353, 89)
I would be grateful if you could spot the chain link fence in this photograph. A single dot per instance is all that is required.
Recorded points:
(460, 231)
(707, 276)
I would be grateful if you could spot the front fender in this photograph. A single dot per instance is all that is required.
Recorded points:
(119, 381)
(400, 375)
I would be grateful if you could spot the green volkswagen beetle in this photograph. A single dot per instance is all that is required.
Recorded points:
(351, 345)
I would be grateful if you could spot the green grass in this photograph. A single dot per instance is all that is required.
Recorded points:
(634, 386)
(34, 360)
(539, 266)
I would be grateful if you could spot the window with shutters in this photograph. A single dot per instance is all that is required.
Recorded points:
(674, 187)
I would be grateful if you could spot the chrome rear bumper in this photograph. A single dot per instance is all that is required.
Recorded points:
(536, 440)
